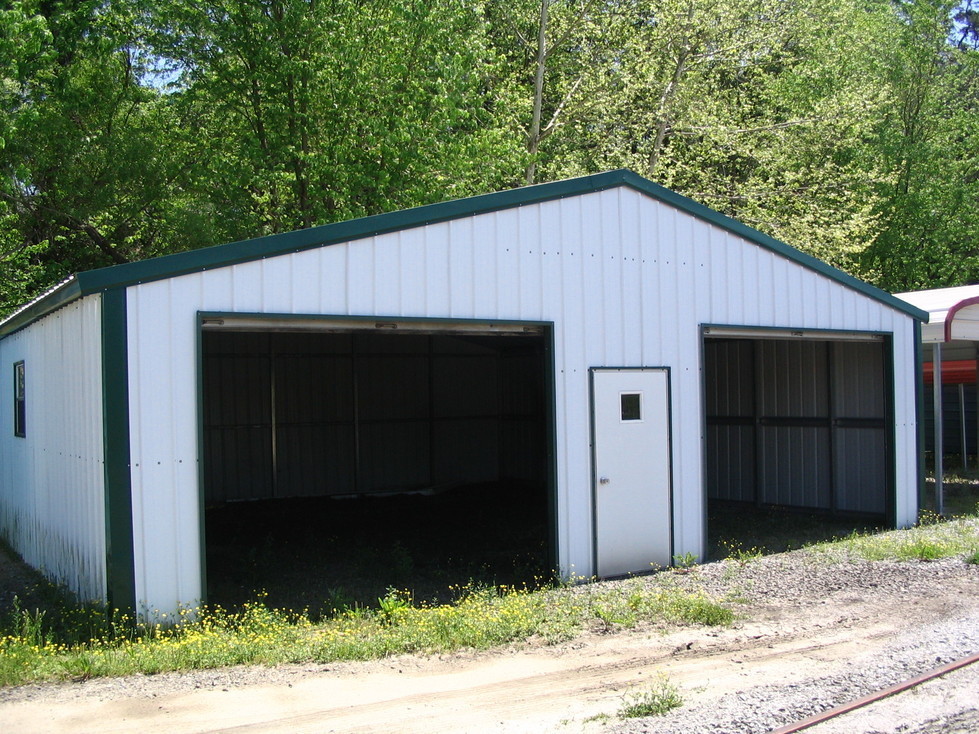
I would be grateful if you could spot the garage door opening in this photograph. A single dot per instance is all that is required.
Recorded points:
(799, 439)
(341, 459)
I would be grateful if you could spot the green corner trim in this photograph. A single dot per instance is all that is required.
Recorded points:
(168, 266)
(119, 557)
(919, 410)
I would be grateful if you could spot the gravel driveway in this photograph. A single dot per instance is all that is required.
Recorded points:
(785, 586)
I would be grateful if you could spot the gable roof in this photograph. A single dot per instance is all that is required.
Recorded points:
(168, 266)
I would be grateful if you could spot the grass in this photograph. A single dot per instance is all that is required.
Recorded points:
(78, 642)
(54, 638)
(930, 540)
(660, 698)
(960, 491)
(744, 534)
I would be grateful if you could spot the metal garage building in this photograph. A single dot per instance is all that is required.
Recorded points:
(632, 351)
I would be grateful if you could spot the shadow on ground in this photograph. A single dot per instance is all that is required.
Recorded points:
(322, 553)
(736, 530)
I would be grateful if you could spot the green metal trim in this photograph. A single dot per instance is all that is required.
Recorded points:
(919, 409)
(550, 420)
(592, 371)
(890, 450)
(120, 558)
(182, 263)
(201, 504)
(704, 494)
(593, 474)
(20, 399)
(260, 248)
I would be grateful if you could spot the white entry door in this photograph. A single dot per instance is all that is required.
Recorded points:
(632, 484)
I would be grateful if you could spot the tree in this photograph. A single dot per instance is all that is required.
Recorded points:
(758, 108)
(324, 110)
(556, 57)
(927, 139)
(89, 168)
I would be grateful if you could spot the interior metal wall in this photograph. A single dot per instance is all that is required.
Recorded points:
(317, 414)
(797, 423)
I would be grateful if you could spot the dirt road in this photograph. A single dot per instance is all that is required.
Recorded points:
(844, 623)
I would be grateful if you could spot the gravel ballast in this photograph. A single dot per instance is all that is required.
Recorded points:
(802, 578)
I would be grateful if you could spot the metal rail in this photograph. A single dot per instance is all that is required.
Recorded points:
(877, 696)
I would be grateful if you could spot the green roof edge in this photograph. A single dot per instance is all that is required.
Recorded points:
(182, 263)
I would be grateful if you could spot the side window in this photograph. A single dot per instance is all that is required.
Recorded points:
(20, 401)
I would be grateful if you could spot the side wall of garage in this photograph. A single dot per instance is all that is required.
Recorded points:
(625, 279)
(52, 503)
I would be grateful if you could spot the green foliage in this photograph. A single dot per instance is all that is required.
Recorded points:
(926, 139)
(612, 608)
(393, 604)
(68, 641)
(685, 561)
(317, 112)
(735, 551)
(924, 542)
(658, 699)
(132, 129)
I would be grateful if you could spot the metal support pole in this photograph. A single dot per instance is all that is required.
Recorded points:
(936, 361)
(965, 450)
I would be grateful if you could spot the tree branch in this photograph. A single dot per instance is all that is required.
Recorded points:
(77, 225)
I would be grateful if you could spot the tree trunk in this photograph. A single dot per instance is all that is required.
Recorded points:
(534, 134)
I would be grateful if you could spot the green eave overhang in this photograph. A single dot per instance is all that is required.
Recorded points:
(194, 261)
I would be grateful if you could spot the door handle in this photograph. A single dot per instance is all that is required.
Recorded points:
(604, 480)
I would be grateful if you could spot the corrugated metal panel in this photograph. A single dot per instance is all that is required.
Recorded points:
(366, 412)
(794, 461)
(731, 463)
(792, 378)
(861, 463)
(729, 382)
(804, 458)
(795, 467)
(625, 280)
(52, 506)
(860, 452)
(238, 431)
(729, 378)
(858, 393)
(952, 420)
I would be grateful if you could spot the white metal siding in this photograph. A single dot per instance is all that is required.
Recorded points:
(626, 280)
(52, 507)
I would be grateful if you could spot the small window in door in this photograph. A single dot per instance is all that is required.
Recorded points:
(631, 406)
(20, 401)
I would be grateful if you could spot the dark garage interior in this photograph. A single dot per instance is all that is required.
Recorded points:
(797, 442)
(340, 463)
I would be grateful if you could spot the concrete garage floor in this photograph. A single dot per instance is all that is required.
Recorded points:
(321, 553)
